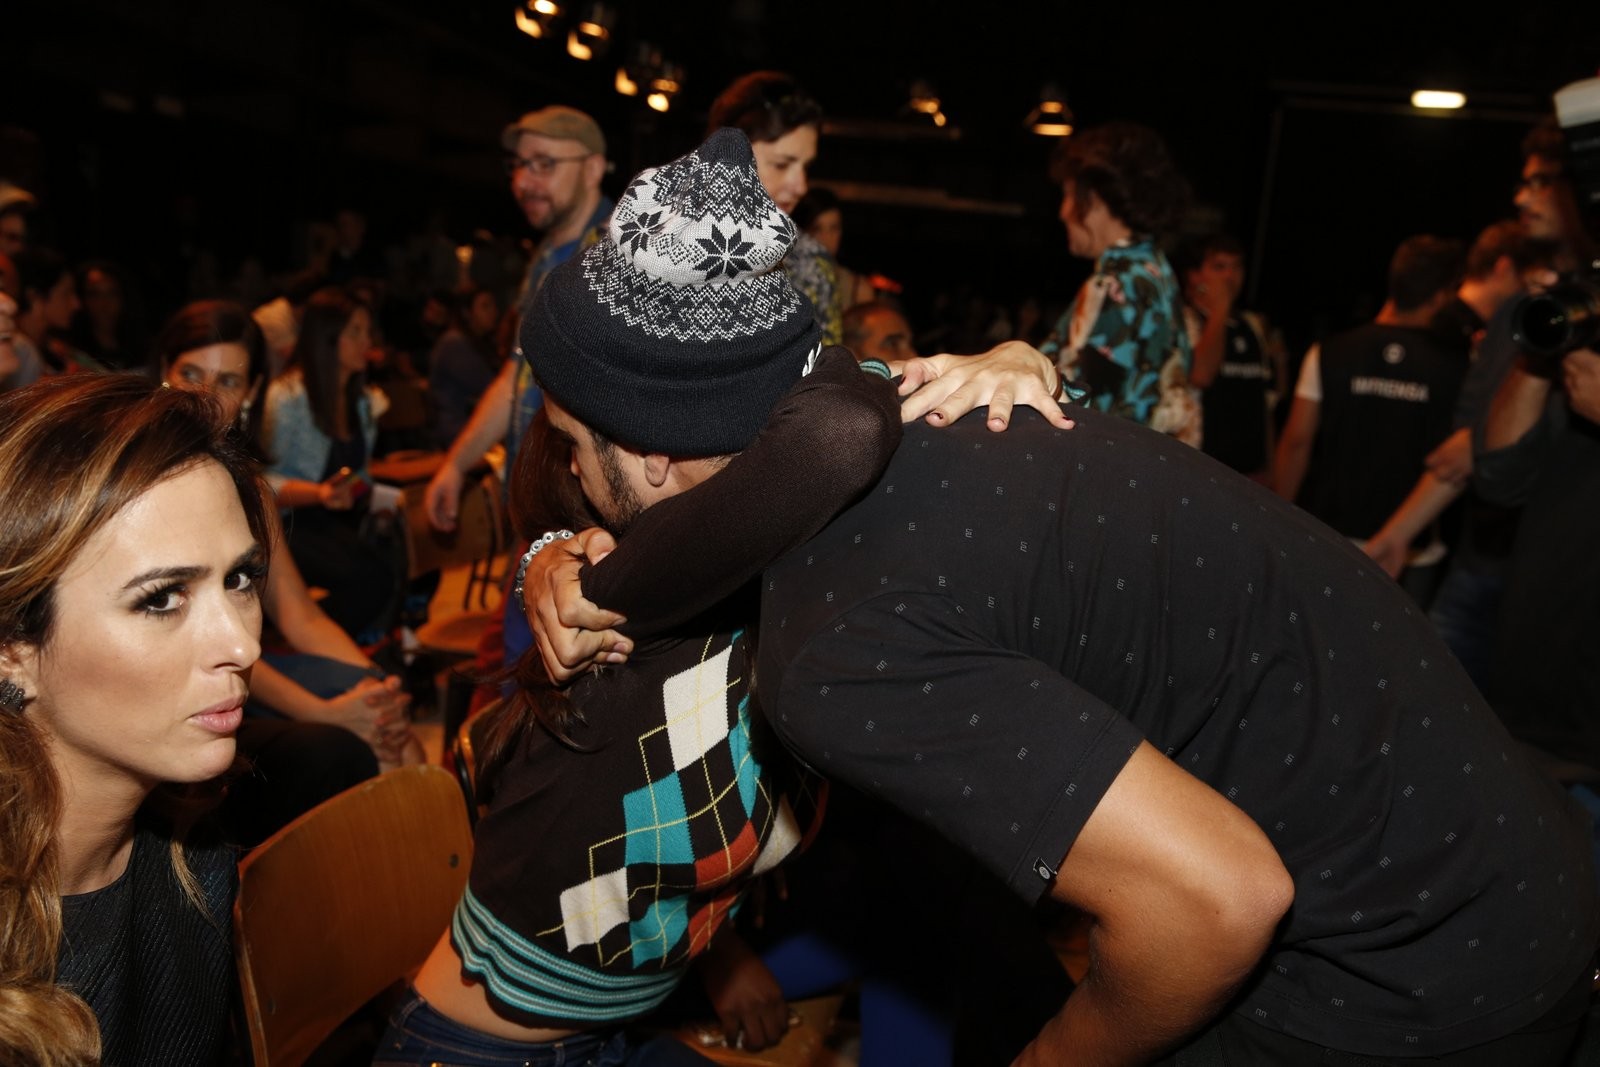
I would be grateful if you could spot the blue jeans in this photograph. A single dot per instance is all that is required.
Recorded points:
(1464, 612)
(419, 1035)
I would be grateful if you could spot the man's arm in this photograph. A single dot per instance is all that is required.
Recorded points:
(1524, 417)
(826, 442)
(1211, 343)
(1184, 892)
(1449, 469)
(489, 422)
(1517, 407)
(1294, 448)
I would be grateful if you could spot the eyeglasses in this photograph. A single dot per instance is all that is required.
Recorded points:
(539, 166)
(1539, 179)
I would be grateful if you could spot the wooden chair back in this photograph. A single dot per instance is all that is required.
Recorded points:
(478, 539)
(344, 901)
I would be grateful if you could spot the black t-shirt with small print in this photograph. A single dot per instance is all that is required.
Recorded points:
(987, 634)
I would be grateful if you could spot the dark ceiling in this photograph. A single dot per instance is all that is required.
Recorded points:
(155, 127)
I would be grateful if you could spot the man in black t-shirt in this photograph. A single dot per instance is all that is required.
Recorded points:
(1115, 673)
(1372, 403)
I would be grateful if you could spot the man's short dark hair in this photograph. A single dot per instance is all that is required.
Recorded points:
(816, 203)
(1546, 143)
(1505, 238)
(1423, 266)
(39, 270)
(1192, 253)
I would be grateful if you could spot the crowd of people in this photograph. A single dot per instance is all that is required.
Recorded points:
(1267, 672)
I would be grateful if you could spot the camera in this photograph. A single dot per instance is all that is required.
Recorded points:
(1567, 315)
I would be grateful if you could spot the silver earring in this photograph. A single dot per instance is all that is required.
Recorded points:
(11, 695)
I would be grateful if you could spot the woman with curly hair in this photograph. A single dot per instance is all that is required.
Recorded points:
(783, 121)
(132, 549)
(1123, 340)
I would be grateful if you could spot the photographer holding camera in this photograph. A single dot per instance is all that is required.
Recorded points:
(1540, 447)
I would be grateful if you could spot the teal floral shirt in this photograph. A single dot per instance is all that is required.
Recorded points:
(1123, 341)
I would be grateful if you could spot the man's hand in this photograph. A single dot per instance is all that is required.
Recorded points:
(1580, 374)
(571, 632)
(1452, 461)
(1387, 553)
(943, 388)
(745, 995)
(443, 497)
(1215, 301)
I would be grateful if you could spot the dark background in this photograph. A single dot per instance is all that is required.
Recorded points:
(154, 130)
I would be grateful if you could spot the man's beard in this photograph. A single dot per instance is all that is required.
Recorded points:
(555, 214)
(625, 503)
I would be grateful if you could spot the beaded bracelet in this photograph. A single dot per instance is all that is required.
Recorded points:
(540, 543)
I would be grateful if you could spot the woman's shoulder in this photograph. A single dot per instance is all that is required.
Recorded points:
(287, 388)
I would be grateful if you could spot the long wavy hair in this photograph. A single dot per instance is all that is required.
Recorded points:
(75, 451)
(544, 496)
(316, 354)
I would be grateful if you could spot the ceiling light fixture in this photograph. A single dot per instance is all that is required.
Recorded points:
(1438, 100)
(534, 17)
(924, 101)
(589, 37)
(1052, 118)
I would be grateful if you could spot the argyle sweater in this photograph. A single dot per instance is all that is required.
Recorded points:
(602, 870)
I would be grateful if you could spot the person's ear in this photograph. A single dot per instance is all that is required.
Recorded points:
(19, 675)
(657, 468)
(594, 168)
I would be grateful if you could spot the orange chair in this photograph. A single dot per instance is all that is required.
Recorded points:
(343, 902)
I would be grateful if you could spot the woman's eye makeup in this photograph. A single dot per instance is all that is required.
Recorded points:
(247, 577)
(163, 601)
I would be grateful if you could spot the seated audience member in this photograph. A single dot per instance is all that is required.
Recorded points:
(1375, 401)
(107, 327)
(320, 427)
(279, 319)
(322, 716)
(1115, 673)
(877, 330)
(129, 561)
(820, 214)
(463, 362)
(625, 895)
(1238, 369)
(1123, 338)
(16, 204)
(44, 319)
(9, 363)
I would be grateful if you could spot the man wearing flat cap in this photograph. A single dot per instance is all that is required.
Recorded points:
(556, 158)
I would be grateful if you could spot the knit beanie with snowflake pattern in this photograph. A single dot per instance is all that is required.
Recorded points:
(677, 331)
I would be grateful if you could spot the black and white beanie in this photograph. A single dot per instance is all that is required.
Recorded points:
(677, 332)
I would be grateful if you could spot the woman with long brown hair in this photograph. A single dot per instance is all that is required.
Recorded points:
(132, 548)
(319, 430)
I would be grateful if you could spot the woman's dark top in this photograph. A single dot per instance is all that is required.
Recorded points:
(157, 972)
